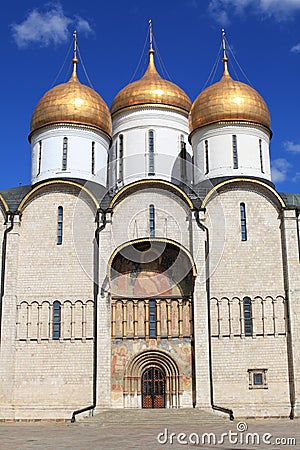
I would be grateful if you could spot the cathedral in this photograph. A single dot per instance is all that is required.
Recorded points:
(151, 263)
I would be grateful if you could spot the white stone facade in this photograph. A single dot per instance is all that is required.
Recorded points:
(43, 377)
(128, 283)
(213, 151)
(170, 130)
(85, 154)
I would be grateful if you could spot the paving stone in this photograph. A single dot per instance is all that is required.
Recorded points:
(141, 435)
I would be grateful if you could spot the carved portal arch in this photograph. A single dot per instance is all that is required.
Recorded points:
(134, 374)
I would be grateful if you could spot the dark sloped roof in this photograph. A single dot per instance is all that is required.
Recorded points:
(14, 196)
(292, 200)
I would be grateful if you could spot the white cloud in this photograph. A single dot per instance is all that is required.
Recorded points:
(47, 27)
(296, 178)
(296, 48)
(83, 26)
(217, 11)
(291, 146)
(278, 9)
(279, 169)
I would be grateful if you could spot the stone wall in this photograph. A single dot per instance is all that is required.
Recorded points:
(250, 268)
(41, 376)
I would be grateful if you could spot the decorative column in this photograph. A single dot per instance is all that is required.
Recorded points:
(231, 333)
(275, 316)
(135, 319)
(84, 322)
(124, 321)
(158, 319)
(180, 318)
(72, 323)
(39, 323)
(147, 318)
(113, 320)
(253, 318)
(169, 321)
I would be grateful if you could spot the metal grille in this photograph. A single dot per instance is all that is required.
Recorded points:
(153, 388)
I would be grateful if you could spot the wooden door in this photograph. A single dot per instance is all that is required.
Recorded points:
(153, 388)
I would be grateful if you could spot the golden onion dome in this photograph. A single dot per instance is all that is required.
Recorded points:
(72, 103)
(228, 100)
(151, 89)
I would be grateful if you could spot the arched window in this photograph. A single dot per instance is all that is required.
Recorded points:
(151, 152)
(121, 157)
(152, 220)
(206, 157)
(261, 156)
(59, 225)
(93, 158)
(182, 158)
(234, 152)
(247, 316)
(243, 222)
(39, 158)
(152, 319)
(65, 153)
(56, 320)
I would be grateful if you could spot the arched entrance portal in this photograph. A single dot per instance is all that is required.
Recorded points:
(152, 380)
(151, 267)
(151, 285)
(153, 388)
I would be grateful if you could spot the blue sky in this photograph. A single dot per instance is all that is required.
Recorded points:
(264, 36)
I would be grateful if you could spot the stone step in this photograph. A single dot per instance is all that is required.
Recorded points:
(155, 416)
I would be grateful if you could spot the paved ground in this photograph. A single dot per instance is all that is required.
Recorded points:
(143, 434)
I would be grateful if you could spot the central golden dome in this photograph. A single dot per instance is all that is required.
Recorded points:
(74, 103)
(151, 89)
(228, 100)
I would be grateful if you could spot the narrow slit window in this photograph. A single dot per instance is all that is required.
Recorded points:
(234, 152)
(121, 156)
(59, 225)
(206, 157)
(152, 220)
(65, 154)
(247, 316)
(151, 152)
(93, 158)
(152, 319)
(183, 158)
(39, 158)
(115, 161)
(243, 222)
(56, 320)
(261, 156)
